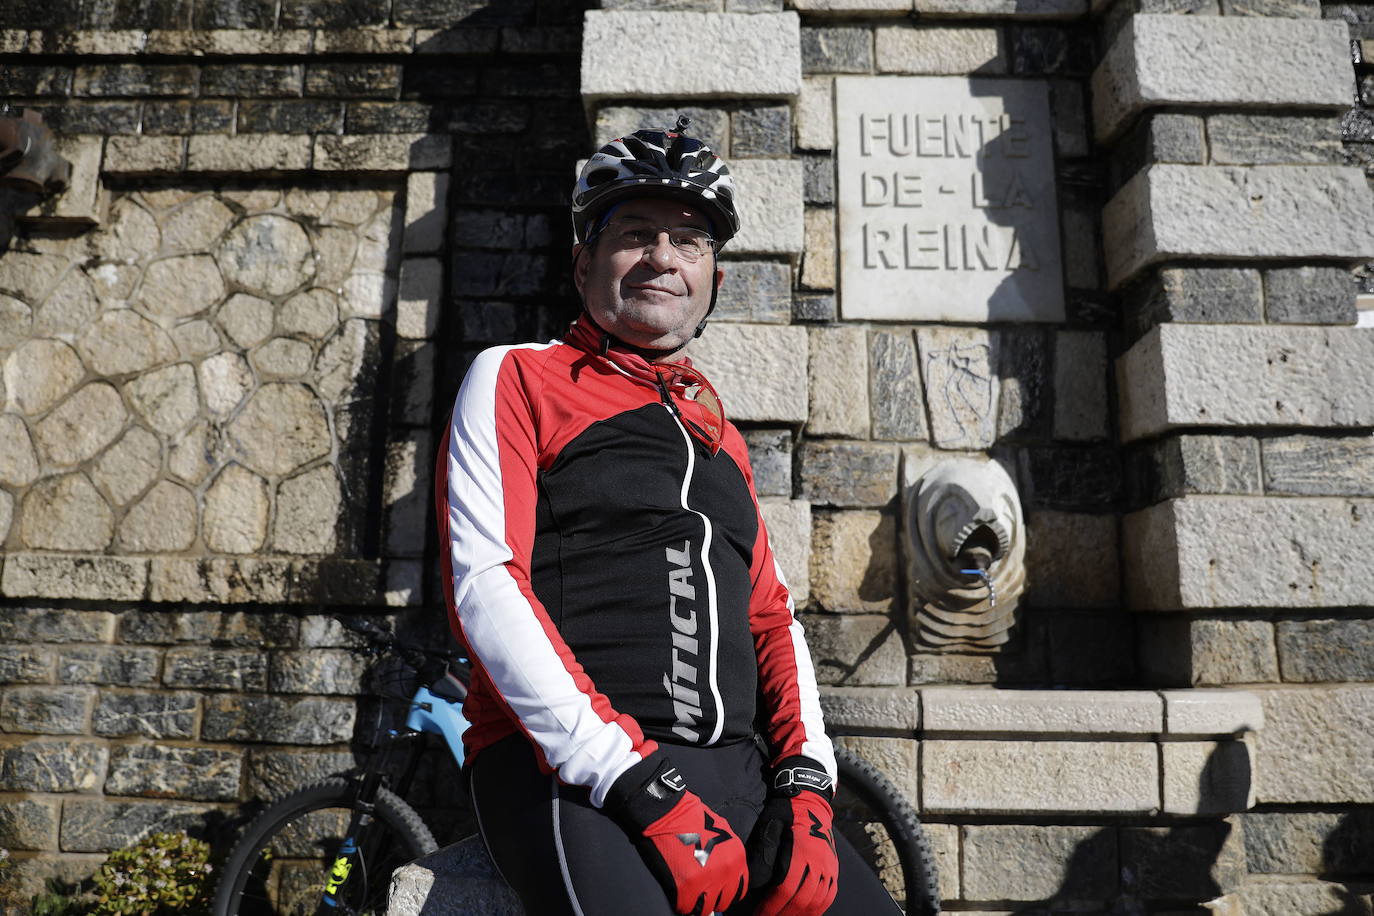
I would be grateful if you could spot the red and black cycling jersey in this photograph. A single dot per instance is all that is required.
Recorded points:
(607, 565)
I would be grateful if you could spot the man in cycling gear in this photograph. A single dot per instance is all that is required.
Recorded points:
(608, 567)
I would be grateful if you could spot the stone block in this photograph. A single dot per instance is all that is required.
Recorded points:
(836, 49)
(19, 625)
(407, 493)
(1296, 552)
(761, 132)
(1183, 862)
(149, 715)
(856, 650)
(271, 773)
(248, 153)
(119, 666)
(53, 766)
(857, 474)
(838, 382)
(215, 669)
(27, 823)
(135, 80)
(1080, 390)
(382, 153)
(818, 175)
(456, 880)
(1202, 652)
(1298, 763)
(1309, 842)
(894, 709)
(413, 381)
(277, 720)
(1144, 222)
(1211, 713)
(46, 710)
(898, 399)
(364, 41)
(757, 291)
(1289, 9)
(1029, 9)
(735, 56)
(939, 668)
(1258, 139)
(1024, 361)
(940, 50)
(710, 125)
(37, 575)
(1071, 560)
(221, 579)
(1149, 65)
(1040, 777)
(1208, 777)
(1317, 651)
(252, 80)
(1309, 295)
(769, 199)
(969, 710)
(1187, 465)
(418, 298)
(98, 825)
(426, 214)
(814, 307)
(815, 119)
(759, 370)
(818, 261)
(853, 7)
(301, 116)
(789, 533)
(1177, 138)
(26, 665)
(1069, 478)
(854, 558)
(163, 771)
(770, 455)
(1036, 862)
(353, 80)
(318, 671)
(1280, 898)
(961, 386)
(1297, 376)
(143, 155)
(895, 758)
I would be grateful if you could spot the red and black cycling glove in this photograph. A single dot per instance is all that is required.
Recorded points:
(792, 847)
(691, 850)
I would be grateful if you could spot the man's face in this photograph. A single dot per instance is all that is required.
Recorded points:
(650, 297)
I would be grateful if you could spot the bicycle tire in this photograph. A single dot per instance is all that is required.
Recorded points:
(881, 824)
(280, 863)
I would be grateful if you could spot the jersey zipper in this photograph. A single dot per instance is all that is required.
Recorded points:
(711, 675)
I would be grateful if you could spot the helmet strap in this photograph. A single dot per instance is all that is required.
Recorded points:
(715, 291)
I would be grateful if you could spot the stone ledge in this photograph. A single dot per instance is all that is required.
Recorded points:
(1271, 211)
(37, 575)
(733, 55)
(1211, 713)
(888, 709)
(964, 710)
(1181, 375)
(1153, 62)
(1201, 552)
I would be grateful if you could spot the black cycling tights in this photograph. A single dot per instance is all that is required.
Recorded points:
(567, 858)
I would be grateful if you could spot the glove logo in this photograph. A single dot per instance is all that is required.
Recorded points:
(702, 851)
(819, 832)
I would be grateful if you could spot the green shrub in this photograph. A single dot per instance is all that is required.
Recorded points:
(165, 874)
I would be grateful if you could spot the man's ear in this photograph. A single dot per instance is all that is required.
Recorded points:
(720, 275)
(580, 265)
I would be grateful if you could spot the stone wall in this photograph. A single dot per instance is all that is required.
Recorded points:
(226, 351)
(1188, 441)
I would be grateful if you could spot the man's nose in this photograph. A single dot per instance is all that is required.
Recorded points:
(661, 254)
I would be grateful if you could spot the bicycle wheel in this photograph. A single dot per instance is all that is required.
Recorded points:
(284, 857)
(884, 828)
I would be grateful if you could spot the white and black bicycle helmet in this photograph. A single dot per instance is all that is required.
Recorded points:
(666, 163)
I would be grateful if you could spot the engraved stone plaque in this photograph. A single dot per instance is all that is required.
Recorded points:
(947, 203)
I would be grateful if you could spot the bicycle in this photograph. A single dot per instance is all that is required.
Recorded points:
(331, 846)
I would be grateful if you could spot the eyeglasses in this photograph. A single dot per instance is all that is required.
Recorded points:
(690, 244)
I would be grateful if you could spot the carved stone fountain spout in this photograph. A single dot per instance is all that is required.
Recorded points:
(965, 540)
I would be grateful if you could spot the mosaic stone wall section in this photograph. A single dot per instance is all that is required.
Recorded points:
(198, 377)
